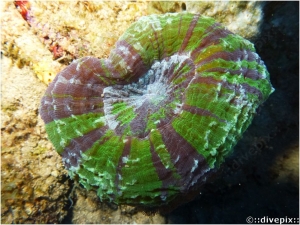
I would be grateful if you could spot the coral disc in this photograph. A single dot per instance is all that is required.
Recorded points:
(151, 122)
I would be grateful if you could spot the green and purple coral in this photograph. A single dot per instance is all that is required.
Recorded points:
(152, 122)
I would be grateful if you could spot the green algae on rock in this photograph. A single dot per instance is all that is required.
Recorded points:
(152, 122)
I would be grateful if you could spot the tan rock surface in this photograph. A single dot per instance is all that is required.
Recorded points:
(34, 184)
(35, 187)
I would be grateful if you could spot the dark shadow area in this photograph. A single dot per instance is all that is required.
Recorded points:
(259, 178)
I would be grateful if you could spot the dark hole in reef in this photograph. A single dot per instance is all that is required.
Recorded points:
(183, 7)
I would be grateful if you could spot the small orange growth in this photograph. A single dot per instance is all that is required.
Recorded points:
(23, 7)
(57, 51)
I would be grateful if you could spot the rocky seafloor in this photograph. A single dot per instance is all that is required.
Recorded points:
(260, 179)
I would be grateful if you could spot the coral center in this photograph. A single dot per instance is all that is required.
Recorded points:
(136, 108)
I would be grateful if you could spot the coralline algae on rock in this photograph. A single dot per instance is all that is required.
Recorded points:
(152, 122)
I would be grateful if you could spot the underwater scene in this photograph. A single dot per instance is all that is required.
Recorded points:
(149, 112)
